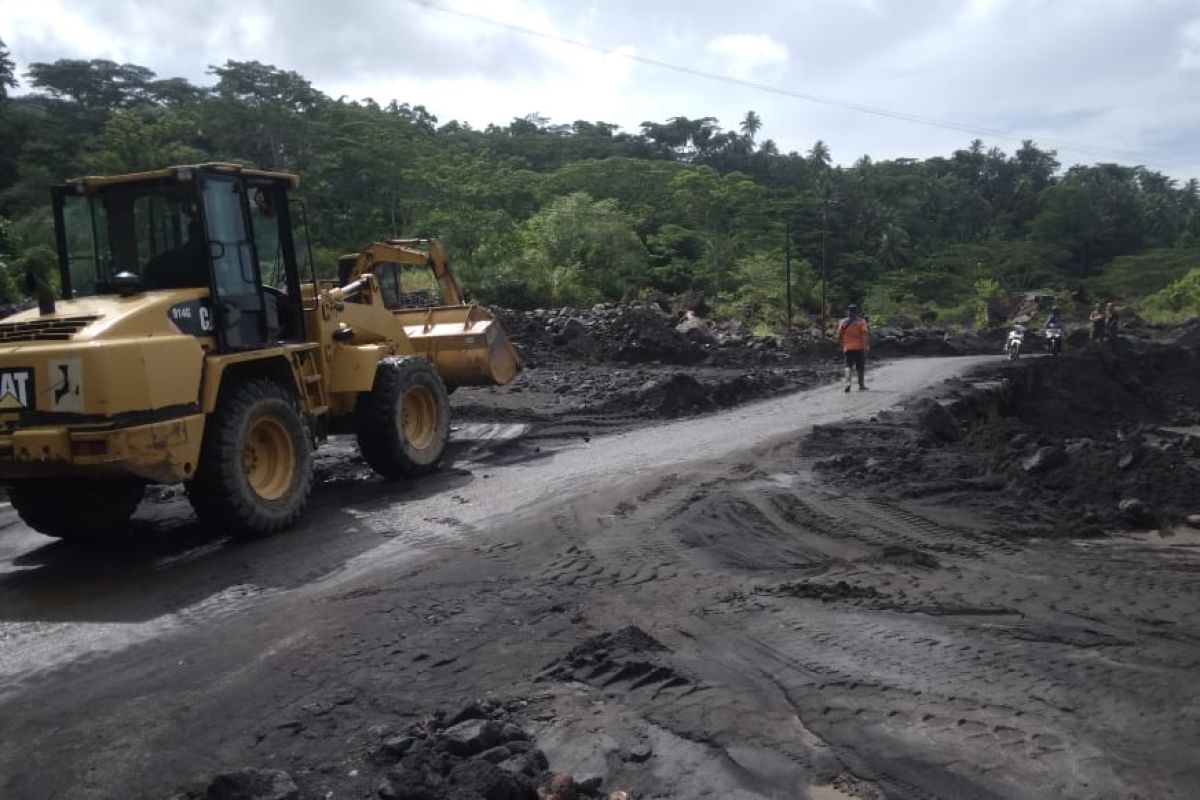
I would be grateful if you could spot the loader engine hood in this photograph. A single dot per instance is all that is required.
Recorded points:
(103, 356)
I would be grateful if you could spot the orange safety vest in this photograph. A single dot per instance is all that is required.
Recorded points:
(853, 334)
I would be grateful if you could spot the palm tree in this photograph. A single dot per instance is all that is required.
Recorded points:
(819, 155)
(895, 251)
(751, 125)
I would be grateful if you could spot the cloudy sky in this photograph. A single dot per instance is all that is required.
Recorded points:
(1097, 80)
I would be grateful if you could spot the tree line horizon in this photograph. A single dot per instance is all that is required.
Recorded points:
(536, 214)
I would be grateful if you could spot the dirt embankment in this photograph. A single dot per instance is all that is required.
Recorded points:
(648, 333)
(616, 366)
(1048, 447)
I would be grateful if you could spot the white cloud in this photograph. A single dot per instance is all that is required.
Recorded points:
(1189, 53)
(1094, 74)
(749, 56)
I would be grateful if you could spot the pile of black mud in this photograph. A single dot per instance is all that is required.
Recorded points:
(645, 392)
(476, 753)
(906, 341)
(620, 365)
(644, 333)
(1055, 447)
(626, 334)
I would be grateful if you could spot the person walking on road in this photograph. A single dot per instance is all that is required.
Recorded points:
(853, 335)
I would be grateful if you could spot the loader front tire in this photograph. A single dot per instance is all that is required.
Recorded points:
(77, 509)
(256, 463)
(403, 423)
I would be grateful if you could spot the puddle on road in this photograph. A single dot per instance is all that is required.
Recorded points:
(489, 431)
(782, 480)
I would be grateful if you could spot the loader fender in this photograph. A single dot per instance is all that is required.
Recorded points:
(280, 363)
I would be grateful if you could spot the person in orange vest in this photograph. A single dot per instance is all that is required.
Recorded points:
(854, 336)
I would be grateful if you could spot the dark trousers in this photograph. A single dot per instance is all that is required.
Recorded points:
(857, 360)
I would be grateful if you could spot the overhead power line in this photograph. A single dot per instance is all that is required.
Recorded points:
(863, 108)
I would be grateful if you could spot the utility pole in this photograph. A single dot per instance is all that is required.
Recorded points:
(788, 269)
(824, 320)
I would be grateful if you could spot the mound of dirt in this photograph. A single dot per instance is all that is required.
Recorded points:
(623, 334)
(680, 393)
(1070, 446)
(626, 396)
(478, 752)
(1100, 392)
(893, 342)
(628, 656)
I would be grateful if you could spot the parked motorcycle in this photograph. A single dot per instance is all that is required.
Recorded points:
(1054, 340)
(1014, 342)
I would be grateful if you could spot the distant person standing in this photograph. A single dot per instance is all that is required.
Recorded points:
(1111, 322)
(853, 335)
(1098, 325)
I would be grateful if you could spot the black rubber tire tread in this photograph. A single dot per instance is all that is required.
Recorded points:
(220, 492)
(380, 437)
(77, 509)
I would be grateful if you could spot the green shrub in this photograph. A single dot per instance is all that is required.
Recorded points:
(1132, 277)
(1176, 302)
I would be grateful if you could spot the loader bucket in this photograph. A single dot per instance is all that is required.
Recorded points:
(465, 343)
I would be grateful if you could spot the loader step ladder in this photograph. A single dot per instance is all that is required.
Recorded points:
(314, 385)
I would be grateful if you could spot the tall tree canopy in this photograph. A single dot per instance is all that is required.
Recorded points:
(542, 212)
(8, 78)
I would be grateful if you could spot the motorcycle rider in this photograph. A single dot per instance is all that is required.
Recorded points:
(1055, 321)
(1016, 336)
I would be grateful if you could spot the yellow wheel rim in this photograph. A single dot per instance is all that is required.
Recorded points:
(269, 458)
(418, 417)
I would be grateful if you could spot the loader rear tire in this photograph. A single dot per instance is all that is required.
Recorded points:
(78, 509)
(403, 423)
(256, 464)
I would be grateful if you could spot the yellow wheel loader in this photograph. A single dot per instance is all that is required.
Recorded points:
(194, 343)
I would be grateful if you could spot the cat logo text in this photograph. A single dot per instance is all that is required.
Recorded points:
(16, 388)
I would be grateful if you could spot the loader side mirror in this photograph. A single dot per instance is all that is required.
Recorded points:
(127, 283)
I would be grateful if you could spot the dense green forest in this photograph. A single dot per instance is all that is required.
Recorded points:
(542, 214)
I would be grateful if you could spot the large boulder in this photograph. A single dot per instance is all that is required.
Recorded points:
(1045, 459)
(1137, 513)
(936, 421)
(471, 737)
(696, 329)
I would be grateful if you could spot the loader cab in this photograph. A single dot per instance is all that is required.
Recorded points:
(407, 286)
(218, 227)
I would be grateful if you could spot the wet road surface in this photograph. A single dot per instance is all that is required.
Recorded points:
(804, 639)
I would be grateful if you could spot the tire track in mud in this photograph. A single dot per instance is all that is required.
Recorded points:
(965, 678)
(1047, 660)
(666, 538)
(975, 672)
(865, 682)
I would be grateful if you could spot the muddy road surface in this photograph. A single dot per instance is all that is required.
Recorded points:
(683, 610)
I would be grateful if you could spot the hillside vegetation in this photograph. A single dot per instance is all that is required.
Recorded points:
(537, 213)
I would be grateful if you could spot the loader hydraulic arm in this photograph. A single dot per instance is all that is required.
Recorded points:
(428, 252)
